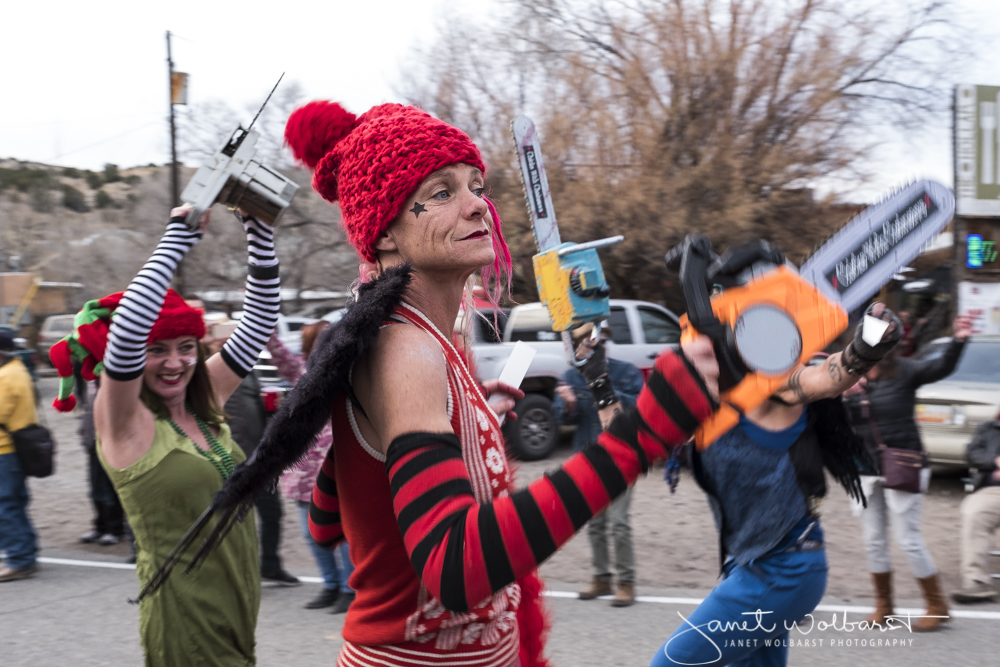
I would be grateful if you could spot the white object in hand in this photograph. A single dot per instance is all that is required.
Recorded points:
(517, 366)
(872, 330)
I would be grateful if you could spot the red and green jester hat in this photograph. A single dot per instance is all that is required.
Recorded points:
(89, 339)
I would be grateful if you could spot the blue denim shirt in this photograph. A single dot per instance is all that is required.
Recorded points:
(627, 382)
(753, 487)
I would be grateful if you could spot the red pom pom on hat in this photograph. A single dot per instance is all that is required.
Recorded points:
(314, 129)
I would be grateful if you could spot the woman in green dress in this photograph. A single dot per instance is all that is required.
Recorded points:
(166, 448)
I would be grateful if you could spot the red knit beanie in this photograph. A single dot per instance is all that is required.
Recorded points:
(177, 319)
(372, 164)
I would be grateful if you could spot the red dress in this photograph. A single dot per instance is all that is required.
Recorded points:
(394, 620)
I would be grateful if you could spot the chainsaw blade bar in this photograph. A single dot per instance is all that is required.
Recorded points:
(863, 256)
(536, 185)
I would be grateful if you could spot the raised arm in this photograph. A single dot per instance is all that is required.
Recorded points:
(119, 415)
(463, 550)
(841, 371)
(261, 303)
(925, 371)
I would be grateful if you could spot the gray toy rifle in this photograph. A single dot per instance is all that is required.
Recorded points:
(237, 177)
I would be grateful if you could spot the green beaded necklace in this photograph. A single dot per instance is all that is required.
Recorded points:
(224, 464)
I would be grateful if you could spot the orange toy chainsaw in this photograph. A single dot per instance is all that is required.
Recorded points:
(765, 318)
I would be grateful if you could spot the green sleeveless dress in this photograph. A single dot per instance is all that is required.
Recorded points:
(207, 617)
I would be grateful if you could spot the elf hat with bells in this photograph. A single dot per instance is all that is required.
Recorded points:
(89, 339)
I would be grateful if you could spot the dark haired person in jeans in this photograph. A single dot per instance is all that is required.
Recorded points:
(17, 410)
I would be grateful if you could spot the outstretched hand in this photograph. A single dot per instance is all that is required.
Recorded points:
(962, 328)
(502, 397)
(880, 312)
(183, 210)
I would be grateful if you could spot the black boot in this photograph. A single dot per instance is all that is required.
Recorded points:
(325, 598)
(343, 603)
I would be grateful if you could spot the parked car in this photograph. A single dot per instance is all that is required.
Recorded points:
(949, 411)
(54, 329)
(28, 357)
(639, 331)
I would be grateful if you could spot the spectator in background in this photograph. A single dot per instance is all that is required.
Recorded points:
(109, 517)
(980, 514)
(297, 483)
(17, 410)
(247, 419)
(574, 405)
(881, 406)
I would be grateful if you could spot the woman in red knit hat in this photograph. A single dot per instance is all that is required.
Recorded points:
(162, 439)
(445, 549)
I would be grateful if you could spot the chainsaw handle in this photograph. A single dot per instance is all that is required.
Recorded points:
(694, 256)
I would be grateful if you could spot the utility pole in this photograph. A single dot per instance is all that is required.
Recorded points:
(175, 193)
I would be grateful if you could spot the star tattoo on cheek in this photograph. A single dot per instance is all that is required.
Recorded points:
(417, 209)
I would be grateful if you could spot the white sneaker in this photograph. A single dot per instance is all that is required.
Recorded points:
(107, 540)
(90, 537)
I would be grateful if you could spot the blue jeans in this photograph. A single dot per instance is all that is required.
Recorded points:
(783, 586)
(17, 537)
(334, 564)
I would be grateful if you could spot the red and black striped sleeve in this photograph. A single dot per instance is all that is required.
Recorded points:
(324, 507)
(465, 551)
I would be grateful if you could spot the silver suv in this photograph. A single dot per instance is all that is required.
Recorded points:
(640, 331)
(949, 411)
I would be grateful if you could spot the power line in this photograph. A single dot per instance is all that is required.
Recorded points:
(109, 139)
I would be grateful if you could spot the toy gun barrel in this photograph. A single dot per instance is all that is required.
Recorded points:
(589, 245)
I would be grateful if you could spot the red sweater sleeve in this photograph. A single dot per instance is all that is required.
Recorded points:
(465, 551)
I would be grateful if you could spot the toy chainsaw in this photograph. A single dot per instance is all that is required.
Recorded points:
(569, 276)
(765, 318)
(236, 177)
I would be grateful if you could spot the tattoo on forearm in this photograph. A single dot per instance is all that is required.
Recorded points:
(795, 386)
(836, 373)
(606, 418)
(417, 209)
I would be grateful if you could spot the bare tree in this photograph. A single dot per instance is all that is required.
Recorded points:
(664, 117)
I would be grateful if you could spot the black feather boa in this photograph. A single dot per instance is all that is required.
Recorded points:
(305, 411)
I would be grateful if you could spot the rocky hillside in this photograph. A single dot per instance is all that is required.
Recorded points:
(97, 228)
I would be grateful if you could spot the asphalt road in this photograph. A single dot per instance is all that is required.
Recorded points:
(72, 614)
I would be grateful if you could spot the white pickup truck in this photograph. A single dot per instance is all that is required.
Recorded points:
(640, 331)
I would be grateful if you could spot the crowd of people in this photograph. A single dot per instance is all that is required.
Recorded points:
(392, 453)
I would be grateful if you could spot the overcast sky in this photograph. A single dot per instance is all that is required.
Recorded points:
(84, 83)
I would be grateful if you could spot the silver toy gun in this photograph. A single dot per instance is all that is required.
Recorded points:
(236, 177)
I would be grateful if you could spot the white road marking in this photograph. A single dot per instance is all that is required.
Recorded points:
(655, 599)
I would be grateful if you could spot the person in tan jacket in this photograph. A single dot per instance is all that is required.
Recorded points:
(17, 410)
